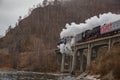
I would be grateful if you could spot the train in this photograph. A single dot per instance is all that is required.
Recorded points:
(96, 32)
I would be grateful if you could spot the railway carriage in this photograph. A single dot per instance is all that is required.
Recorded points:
(110, 28)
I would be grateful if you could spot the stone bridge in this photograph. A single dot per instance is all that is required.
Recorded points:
(85, 52)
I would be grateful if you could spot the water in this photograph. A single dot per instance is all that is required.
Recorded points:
(24, 75)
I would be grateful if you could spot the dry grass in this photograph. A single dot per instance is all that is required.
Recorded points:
(107, 63)
(6, 68)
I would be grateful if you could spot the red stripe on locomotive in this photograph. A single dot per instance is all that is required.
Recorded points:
(106, 28)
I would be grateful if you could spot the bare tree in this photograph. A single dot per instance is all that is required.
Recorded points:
(45, 2)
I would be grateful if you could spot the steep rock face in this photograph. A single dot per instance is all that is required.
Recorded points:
(39, 32)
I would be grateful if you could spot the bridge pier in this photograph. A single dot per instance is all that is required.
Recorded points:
(73, 62)
(63, 62)
(109, 45)
(81, 61)
(89, 55)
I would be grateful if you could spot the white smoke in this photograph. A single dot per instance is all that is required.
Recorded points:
(66, 48)
(62, 48)
(73, 28)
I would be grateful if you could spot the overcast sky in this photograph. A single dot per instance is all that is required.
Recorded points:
(10, 10)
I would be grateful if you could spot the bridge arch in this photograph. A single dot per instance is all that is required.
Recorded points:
(116, 40)
(81, 60)
(98, 50)
(116, 43)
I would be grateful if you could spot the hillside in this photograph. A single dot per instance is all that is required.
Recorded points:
(30, 45)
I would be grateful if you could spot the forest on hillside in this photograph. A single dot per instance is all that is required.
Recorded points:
(31, 44)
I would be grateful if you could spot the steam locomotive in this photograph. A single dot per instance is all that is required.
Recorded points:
(96, 32)
(65, 40)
